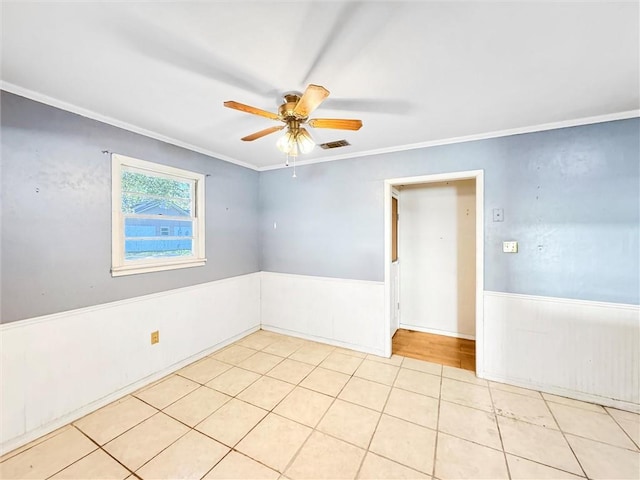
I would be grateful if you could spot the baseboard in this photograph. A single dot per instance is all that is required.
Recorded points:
(328, 341)
(87, 409)
(562, 392)
(435, 331)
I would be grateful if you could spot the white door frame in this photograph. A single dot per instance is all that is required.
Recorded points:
(478, 176)
(395, 193)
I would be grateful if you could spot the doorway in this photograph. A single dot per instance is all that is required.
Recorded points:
(434, 264)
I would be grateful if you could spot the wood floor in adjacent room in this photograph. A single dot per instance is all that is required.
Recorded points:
(455, 352)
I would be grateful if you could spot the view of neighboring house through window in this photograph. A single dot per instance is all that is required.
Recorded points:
(158, 217)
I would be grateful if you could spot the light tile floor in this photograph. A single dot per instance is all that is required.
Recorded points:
(277, 407)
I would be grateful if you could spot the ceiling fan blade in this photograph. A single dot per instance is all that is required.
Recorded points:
(249, 109)
(335, 36)
(312, 97)
(356, 27)
(337, 123)
(162, 43)
(262, 133)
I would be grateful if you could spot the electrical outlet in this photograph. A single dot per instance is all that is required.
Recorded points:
(155, 337)
(510, 247)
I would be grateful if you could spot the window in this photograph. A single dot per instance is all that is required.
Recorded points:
(157, 217)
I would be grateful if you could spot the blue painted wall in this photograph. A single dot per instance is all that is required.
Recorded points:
(571, 198)
(56, 212)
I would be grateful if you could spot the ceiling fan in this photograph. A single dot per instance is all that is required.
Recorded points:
(294, 112)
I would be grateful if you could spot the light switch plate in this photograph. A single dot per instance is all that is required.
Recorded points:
(498, 215)
(510, 247)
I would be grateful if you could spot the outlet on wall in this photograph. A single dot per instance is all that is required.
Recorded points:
(155, 337)
(510, 247)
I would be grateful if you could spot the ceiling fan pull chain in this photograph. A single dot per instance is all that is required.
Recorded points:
(294, 167)
(286, 164)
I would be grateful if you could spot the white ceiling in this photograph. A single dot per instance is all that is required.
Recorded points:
(414, 72)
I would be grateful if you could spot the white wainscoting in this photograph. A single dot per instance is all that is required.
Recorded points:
(60, 367)
(580, 349)
(347, 313)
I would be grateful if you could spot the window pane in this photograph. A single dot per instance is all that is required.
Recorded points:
(144, 193)
(157, 248)
(156, 227)
(154, 205)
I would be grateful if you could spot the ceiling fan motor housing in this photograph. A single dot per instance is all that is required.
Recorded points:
(286, 110)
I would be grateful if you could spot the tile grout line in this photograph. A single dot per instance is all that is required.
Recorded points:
(622, 428)
(375, 430)
(165, 448)
(175, 419)
(232, 448)
(497, 415)
(34, 443)
(475, 442)
(158, 410)
(435, 447)
(314, 428)
(335, 398)
(123, 432)
(99, 448)
(274, 407)
(399, 366)
(564, 436)
(218, 462)
(495, 419)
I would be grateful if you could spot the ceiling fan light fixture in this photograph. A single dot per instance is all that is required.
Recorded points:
(304, 141)
(295, 141)
(286, 142)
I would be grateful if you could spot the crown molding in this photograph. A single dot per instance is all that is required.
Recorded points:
(470, 138)
(69, 107)
(42, 98)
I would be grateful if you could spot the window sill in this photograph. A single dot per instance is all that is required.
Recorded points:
(156, 267)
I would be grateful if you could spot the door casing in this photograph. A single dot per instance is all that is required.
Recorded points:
(478, 175)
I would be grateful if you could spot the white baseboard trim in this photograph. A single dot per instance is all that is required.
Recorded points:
(328, 341)
(87, 409)
(435, 331)
(563, 392)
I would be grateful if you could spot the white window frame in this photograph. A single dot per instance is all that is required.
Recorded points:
(120, 266)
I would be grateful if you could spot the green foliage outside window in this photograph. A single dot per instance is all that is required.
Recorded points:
(138, 188)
